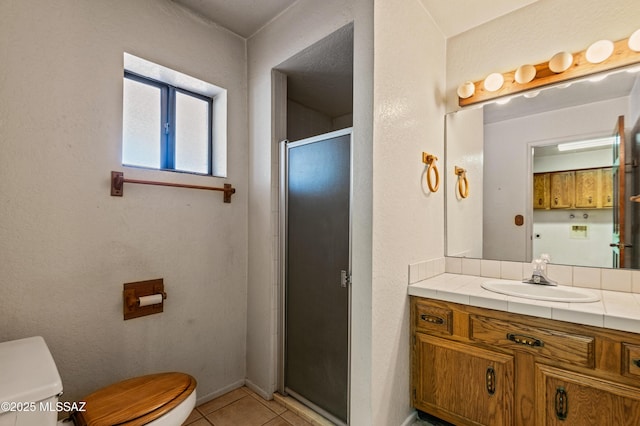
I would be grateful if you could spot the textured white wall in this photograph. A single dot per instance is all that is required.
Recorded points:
(305, 23)
(408, 220)
(67, 246)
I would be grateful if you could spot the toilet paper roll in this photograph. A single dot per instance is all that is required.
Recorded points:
(154, 299)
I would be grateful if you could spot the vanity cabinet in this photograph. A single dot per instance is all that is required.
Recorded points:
(569, 398)
(476, 366)
(475, 386)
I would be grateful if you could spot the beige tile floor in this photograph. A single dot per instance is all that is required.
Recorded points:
(243, 407)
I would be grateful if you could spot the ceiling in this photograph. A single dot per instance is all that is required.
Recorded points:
(321, 76)
(457, 16)
(246, 17)
(243, 17)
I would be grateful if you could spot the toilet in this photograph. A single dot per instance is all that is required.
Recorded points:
(30, 387)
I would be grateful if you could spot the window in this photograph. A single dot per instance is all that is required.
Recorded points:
(168, 126)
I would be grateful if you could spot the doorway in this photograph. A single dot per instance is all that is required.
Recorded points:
(317, 271)
(313, 108)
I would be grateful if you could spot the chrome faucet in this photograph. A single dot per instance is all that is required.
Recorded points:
(539, 275)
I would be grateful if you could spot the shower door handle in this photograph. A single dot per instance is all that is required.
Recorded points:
(345, 279)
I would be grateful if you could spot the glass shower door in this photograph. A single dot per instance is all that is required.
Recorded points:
(317, 272)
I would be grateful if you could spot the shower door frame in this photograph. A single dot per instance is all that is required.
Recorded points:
(283, 226)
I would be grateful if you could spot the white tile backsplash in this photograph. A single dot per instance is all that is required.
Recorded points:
(562, 274)
(511, 271)
(420, 271)
(490, 268)
(470, 266)
(414, 269)
(616, 280)
(586, 277)
(453, 265)
(626, 281)
(431, 268)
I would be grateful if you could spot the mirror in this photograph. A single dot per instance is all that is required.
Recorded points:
(502, 146)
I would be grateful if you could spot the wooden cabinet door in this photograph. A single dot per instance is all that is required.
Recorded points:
(565, 398)
(562, 190)
(587, 186)
(463, 384)
(606, 187)
(541, 188)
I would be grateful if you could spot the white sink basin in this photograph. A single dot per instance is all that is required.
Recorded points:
(541, 292)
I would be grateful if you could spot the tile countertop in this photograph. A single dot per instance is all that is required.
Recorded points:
(614, 310)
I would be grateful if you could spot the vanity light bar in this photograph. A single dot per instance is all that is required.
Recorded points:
(502, 100)
(593, 143)
(623, 55)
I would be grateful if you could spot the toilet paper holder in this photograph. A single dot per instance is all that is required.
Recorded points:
(143, 298)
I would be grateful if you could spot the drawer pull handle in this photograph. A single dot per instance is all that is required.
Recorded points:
(432, 319)
(636, 362)
(525, 340)
(491, 380)
(562, 403)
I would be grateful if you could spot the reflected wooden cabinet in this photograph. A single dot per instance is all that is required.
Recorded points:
(562, 190)
(606, 185)
(587, 188)
(475, 366)
(579, 189)
(541, 195)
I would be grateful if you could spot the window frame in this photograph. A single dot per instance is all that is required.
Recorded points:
(168, 124)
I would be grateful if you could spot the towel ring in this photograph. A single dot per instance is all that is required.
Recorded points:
(463, 182)
(430, 160)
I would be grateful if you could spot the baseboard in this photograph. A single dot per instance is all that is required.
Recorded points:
(412, 418)
(268, 396)
(201, 399)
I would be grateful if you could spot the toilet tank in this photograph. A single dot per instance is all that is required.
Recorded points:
(29, 383)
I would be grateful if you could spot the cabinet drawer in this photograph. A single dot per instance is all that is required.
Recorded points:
(564, 347)
(631, 360)
(433, 318)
